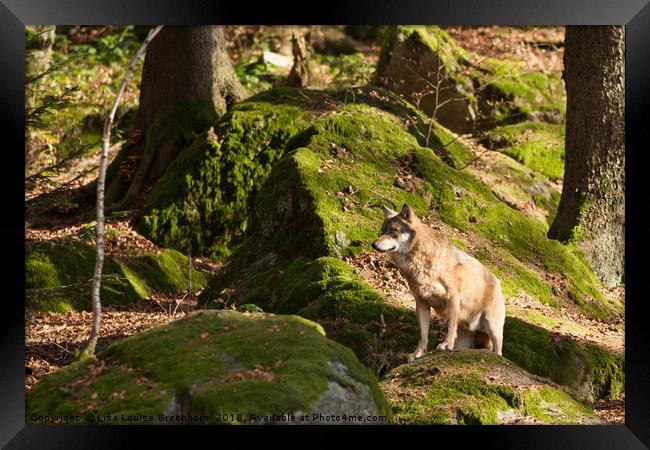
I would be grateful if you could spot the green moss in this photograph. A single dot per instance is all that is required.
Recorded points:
(516, 185)
(203, 198)
(552, 406)
(202, 356)
(537, 145)
(40, 272)
(167, 272)
(516, 279)
(472, 387)
(59, 276)
(520, 95)
(447, 146)
(68, 266)
(467, 397)
(576, 233)
(592, 371)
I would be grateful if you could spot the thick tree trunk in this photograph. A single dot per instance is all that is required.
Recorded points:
(187, 83)
(592, 207)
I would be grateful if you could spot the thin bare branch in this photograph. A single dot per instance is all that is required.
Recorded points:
(101, 182)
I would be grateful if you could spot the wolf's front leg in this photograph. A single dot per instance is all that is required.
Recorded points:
(452, 324)
(423, 312)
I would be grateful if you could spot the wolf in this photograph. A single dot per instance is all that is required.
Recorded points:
(461, 290)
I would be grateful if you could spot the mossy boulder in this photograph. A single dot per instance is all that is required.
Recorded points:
(205, 196)
(59, 273)
(322, 202)
(329, 188)
(537, 145)
(590, 370)
(477, 387)
(463, 91)
(221, 367)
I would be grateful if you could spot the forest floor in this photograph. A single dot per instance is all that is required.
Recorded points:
(53, 340)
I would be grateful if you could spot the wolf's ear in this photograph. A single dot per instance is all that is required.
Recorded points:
(389, 213)
(407, 213)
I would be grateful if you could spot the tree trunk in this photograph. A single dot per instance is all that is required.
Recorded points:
(39, 56)
(592, 207)
(187, 83)
(38, 60)
(299, 74)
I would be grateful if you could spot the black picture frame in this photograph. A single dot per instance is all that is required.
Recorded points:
(634, 14)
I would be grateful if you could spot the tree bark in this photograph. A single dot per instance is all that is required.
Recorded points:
(38, 60)
(187, 83)
(39, 56)
(299, 74)
(592, 207)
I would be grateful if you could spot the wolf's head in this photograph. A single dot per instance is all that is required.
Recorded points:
(397, 231)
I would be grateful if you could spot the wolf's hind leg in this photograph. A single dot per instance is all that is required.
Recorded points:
(482, 340)
(493, 325)
(464, 339)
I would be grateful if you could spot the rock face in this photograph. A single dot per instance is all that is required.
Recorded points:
(58, 275)
(424, 65)
(537, 145)
(219, 367)
(463, 91)
(477, 387)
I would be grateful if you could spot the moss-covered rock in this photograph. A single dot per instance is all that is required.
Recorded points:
(222, 367)
(322, 201)
(592, 371)
(203, 197)
(59, 273)
(539, 146)
(477, 387)
(463, 91)
(346, 165)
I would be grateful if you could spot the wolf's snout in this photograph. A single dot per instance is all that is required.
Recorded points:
(380, 246)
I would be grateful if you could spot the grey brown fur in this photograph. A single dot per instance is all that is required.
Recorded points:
(460, 289)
